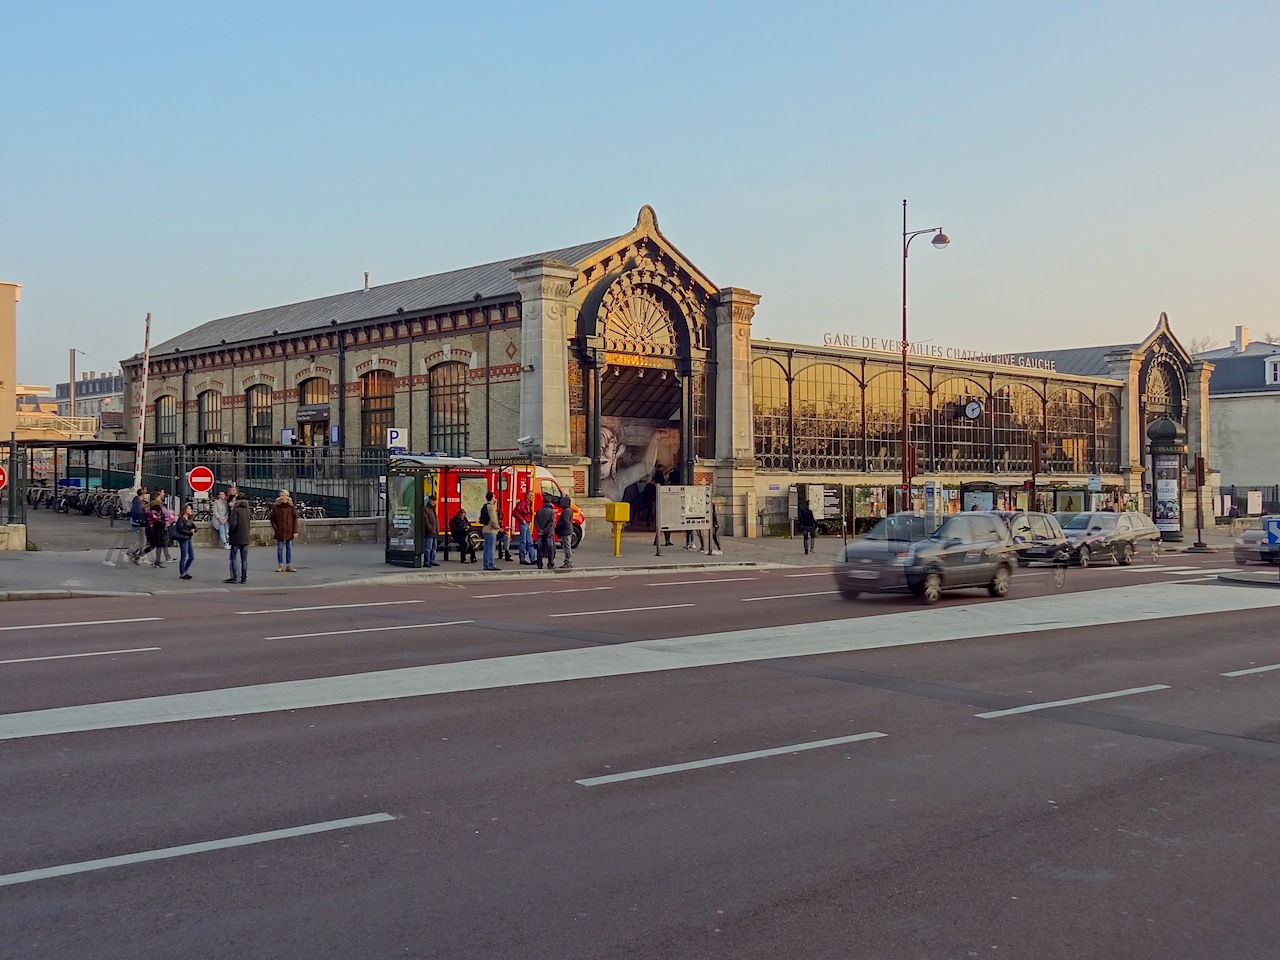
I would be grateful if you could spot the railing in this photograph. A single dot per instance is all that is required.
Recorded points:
(73, 428)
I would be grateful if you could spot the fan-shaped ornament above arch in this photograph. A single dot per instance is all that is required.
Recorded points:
(639, 324)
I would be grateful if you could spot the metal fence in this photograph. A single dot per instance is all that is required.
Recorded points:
(1240, 497)
(346, 483)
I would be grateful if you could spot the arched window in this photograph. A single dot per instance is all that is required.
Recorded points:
(257, 405)
(1108, 434)
(313, 412)
(447, 414)
(1017, 414)
(828, 417)
(1069, 433)
(313, 392)
(961, 443)
(769, 413)
(209, 419)
(166, 420)
(884, 422)
(377, 407)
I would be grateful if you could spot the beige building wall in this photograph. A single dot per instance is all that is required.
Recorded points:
(1243, 441)
(10, 294)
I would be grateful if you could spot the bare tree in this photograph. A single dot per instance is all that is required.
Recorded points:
(1271, 338)
(1200, 345)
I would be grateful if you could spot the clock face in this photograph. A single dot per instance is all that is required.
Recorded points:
(973, 410)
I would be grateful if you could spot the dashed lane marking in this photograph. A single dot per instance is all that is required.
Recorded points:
(719, 761)
(81, 623)
(790, 596)
(1241, 673)
(330, 606)
(594, 613)
(72, 656)
(339, 633)
(1074, 700)
(186, 850)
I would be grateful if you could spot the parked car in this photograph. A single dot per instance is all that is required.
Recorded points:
(1037, 537)
(1110, 536)
(967, 550)
(1252, 543)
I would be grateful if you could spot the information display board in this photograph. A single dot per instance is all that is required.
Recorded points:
(404, 520)
(1168, 491)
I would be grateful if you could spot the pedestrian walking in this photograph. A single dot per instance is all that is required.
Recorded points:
(544, 523)
(220, 513)
(715, 532)
(460, 528)
(522, 516)
(157, 532)
(184, 530)
(239, 535)
(169, 518)
(489, 528)
(284, 526)
(138, 524)
(808, 527)
(430, 531)
(564, 530)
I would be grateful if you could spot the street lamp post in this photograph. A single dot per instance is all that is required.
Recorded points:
(940, 241)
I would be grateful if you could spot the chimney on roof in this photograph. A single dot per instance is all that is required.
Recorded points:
(1241, 341)
(366, 279)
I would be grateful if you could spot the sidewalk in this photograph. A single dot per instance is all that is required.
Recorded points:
(70, 562)
(72, 549)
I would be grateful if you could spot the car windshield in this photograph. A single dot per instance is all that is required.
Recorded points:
(900, 526)
(955, 528)
(1091, 521)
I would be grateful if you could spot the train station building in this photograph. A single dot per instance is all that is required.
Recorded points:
(614, 361)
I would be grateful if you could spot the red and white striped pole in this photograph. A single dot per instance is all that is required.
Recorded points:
(142, 406)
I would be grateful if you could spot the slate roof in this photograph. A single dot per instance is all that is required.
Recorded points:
(1240, 374)
(1081, 361)
(1259, 348)
(489, 280)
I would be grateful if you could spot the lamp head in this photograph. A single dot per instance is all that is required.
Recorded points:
(940, 240)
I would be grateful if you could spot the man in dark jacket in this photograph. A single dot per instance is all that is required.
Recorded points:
(238, 535)
(808, 527)
(460, 527)
(430, 531)
(138, 524)
(564, 531)
(544, 522)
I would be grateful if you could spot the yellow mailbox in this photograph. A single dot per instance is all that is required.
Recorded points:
(617, 514)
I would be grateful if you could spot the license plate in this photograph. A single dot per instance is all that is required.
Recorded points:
(864, 575)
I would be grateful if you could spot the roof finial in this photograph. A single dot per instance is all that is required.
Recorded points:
(647, 220)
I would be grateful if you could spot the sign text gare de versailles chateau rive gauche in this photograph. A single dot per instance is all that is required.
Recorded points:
(856, 342)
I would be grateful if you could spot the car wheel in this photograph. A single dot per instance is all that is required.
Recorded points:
(1023, 563)
(1125, 556)
(1059, 576)
(577, 536)
(999, 585)
(1241, 563)
(1085, 557)
(931, 587)
(851, 594)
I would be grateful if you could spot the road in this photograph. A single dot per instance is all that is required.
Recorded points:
(669, 765)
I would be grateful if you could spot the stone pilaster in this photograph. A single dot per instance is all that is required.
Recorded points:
(544, 356)
(734, 435)
(1125, 365)
(1198, 409)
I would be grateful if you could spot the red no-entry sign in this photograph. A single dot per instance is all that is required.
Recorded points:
(200, 479)
(4, 477)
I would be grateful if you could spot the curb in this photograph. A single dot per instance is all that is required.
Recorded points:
(65, 594)
(1250, 579)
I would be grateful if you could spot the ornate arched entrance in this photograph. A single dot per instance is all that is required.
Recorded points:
(640, 395)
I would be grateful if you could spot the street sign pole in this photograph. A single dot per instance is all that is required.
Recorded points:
(1199, 546)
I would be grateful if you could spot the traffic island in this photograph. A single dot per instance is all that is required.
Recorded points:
(1253, 578)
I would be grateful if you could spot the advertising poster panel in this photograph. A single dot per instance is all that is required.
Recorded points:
(403, 517)
(1168, 497)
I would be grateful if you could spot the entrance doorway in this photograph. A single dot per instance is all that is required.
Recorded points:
(639, 436)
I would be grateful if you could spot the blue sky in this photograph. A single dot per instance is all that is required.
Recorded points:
(1094, 163)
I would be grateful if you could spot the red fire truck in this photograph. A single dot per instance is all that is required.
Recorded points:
(461, 482)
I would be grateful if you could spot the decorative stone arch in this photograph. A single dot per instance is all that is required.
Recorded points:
(447, 354)
(311, 371)
(258, 377)
(375, 362)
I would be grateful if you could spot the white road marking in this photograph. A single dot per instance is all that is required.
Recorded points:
(719, 761)
(1132, 569)
(789, 596)
(332, 606)
(1199, 579)
(793, 576)
(535, 593)
(72, 656)
(593, 613)
(698, 583)
(1241, 673)
(1066, 703)
(1133, 603)
(1215, 570)
(166, 853)
(339, 633)
(81, 623)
